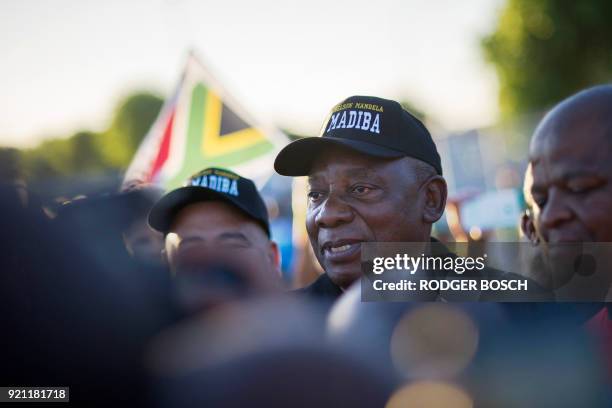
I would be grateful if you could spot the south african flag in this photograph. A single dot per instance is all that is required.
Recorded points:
(201, 126)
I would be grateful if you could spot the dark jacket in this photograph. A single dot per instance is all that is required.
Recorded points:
(322, 289)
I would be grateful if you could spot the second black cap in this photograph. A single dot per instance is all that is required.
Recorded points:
(211, 184)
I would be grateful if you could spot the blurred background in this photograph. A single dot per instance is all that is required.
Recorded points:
(82, 83)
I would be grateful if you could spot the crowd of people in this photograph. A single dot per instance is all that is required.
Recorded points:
(177, 299)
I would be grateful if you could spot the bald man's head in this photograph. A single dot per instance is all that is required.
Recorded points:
(587, 115)
(570, 156)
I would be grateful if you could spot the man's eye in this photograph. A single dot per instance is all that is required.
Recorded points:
(580, 188)
(233, 244)
(361, 190)
(314, 195)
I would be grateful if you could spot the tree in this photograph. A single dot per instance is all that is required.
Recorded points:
(546, 50)
(87, 153)
(10, 165)
(132, 119)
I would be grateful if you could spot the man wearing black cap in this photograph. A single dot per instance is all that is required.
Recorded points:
(218, 221)
(373, 175)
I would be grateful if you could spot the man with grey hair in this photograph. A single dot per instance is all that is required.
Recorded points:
(374, 175)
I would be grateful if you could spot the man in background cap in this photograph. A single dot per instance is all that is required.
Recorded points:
(144, 244)
(374, 175)
(217, 232)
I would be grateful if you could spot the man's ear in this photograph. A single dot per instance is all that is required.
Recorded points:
(275, 256)
(435, 199)
(528, 228)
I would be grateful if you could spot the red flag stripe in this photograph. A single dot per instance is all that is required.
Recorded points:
(164, 148)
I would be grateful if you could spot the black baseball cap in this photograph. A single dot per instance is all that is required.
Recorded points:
(370, 125)
(211, 184)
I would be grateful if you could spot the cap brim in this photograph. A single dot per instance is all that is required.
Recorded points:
(297, 157)
(163, 212)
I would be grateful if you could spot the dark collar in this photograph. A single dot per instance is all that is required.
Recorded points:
(323, 288)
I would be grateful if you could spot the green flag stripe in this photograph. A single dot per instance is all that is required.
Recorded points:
(240, 156)
(195, 129)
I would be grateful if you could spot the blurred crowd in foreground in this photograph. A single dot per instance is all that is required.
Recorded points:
(144, 299)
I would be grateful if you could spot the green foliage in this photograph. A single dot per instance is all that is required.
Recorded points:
(546, 50)
(10, 165)
(88, 152)
(131, 121)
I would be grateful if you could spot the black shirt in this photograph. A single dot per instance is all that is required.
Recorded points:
(321, 289)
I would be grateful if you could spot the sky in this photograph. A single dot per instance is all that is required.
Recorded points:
(66, 63)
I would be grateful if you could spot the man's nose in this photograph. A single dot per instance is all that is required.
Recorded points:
(333, 212)
(556, 211)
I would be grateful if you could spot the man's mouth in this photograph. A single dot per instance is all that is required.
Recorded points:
(341, 250)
